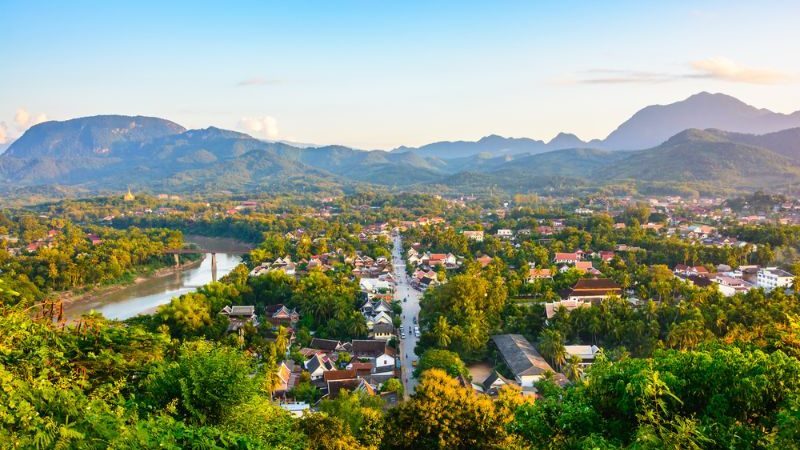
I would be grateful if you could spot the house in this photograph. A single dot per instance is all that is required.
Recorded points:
(239, 316)
(326, 345)
(441, 259)
(362, 369)
(340, 374)
(566, 258)
(729, 286)
(382, 331)
(493, 383)
(476, 236)
(770, 278)
(527, 365)
(279, 315)
(586, 267)
(296, 409)
(374, 350)
(285, 379)
(550, 309)
(539, 274)
(605, 255)
(594, 290)
(505, 233)
(484, 260)
(586, 353)
(688, 271)
(351, 385)
(317, 366)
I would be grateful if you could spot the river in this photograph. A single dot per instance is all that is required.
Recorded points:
(147, 295)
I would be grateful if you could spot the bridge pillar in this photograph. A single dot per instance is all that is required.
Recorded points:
(214, 267)
(177, 260)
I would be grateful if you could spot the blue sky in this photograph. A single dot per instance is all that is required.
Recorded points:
(381, 74)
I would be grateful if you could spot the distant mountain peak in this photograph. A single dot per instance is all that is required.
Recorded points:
(655, 124)
(565, 140)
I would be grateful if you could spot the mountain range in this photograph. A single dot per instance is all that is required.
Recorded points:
(708, 142)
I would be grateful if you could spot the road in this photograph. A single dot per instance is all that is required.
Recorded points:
(403, 290)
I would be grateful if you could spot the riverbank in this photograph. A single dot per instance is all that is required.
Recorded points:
(70, 300)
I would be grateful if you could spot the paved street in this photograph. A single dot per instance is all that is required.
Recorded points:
(403, 290)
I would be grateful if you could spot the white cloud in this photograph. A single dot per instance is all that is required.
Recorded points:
(4, 137)
(720, 68)
(265, 127)
(24, 120)
(21, 118)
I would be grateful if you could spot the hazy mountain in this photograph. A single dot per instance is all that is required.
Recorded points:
(113, 152)
(655, 124)
(784, 142)
(99, 152)
(697, 156)
(88, 136)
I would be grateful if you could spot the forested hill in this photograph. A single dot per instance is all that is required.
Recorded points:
(112, 153)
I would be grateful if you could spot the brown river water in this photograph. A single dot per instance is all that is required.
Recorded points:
(146, 296)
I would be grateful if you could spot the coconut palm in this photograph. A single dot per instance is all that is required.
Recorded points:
(551, 344)
(573, 368)
(441, 330)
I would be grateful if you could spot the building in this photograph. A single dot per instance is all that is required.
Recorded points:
(476, 236)
(383, 331)
(729, 286)
(527, 365)
(770, 278)
(279, 315)
(539, 274)
(239, 316)
(374, 350)
(586, 353)
(317, 365)
(505, 233)
(566, 258)
(550, 309)
(593, 290)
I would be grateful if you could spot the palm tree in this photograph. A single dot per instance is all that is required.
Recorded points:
(573, 368)
(282, 340)
(442, 332)
(551, 344)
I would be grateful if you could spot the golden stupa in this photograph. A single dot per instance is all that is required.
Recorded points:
(129, 197)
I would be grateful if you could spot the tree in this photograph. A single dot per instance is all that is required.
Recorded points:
(205, 382)
(441, 331)
(443, 415)
(440, 359)
(393, 385)
(551, 344)
(186, 315)
(573, 369)
(361, 413)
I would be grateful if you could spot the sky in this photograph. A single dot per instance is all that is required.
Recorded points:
(383, 74)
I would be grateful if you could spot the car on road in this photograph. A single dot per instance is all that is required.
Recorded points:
(416, 331)
(402, 335)
(410, 329)
(415, 319)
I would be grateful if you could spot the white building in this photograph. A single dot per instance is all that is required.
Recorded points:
(476, 236)
(770, 278)
(505, 233)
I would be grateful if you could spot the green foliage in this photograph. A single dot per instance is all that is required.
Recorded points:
(204, 382)
(440, 359)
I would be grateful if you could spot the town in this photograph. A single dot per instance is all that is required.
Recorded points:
(339, 300)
